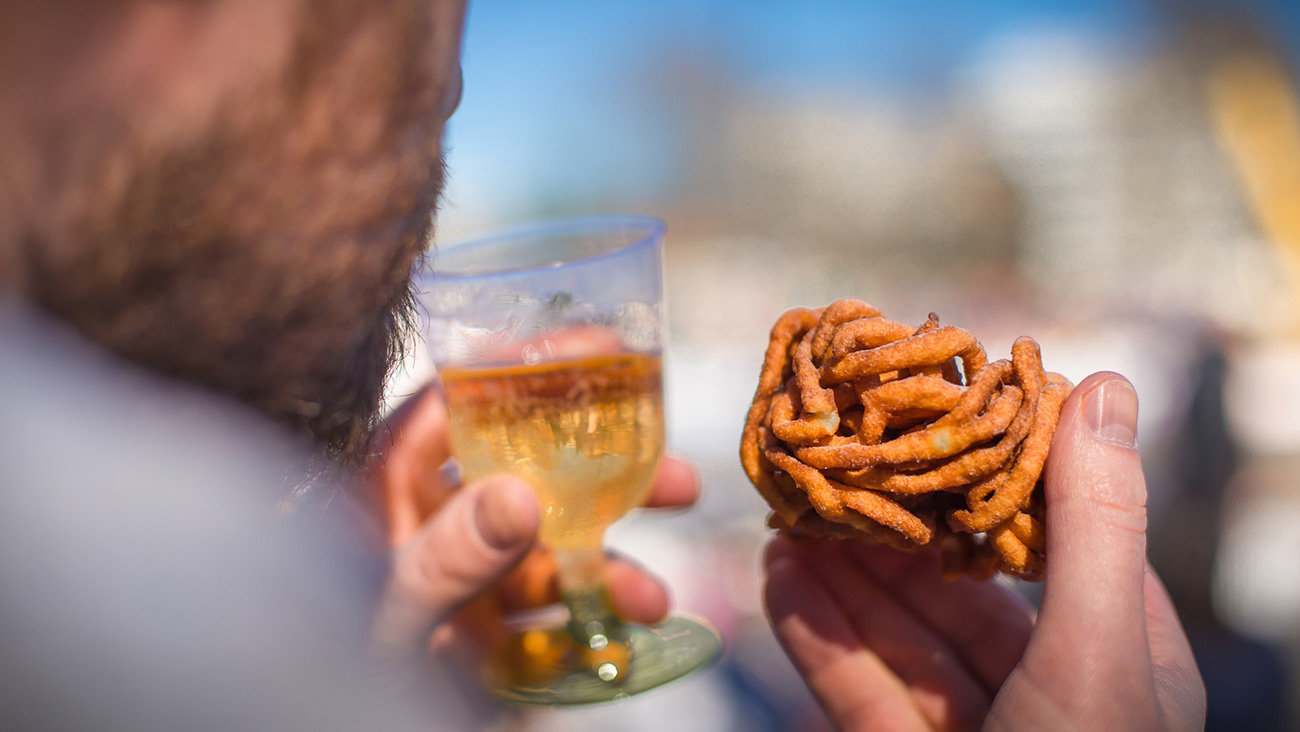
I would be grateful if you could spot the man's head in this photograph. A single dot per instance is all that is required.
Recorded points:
(229, 191)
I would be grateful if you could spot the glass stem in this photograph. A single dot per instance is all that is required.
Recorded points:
(592, 621)
(582, 582)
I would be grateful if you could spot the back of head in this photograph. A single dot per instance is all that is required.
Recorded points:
(231, 191)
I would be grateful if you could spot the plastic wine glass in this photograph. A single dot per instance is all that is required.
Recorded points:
(548, 344)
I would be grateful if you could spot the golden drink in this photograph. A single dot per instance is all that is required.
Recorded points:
(585, 434)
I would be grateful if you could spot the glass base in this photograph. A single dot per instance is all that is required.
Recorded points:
(654, 656)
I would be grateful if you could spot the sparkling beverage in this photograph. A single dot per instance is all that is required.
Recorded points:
(586, 434)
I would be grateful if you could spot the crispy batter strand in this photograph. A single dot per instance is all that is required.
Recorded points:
(788, 424)
(866, 333)
(1029, 530)
(818, 404)
(1015, 555)
(840, 311)
(977, 395)
(930, 347)
(793, 324)
(866, 427)
(914, 393)
(936, 441)
(832, 500)
(1013, 492)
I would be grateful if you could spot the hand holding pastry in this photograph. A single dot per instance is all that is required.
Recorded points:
(886, 638)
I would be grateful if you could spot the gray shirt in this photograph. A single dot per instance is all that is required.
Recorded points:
(148, 580)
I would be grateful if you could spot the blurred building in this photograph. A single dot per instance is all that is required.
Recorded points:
(1127, 198)
(1124, 201)
(1063, 186)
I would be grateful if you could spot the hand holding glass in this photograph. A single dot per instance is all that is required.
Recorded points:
(548, 344)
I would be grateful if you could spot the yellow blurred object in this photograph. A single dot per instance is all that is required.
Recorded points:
(531, 658)
(608, 659)
(1256, 113)
(538, 656)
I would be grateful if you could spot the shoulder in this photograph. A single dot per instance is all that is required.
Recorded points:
(145, 573)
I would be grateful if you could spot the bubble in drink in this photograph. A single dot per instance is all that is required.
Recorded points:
(585, 434)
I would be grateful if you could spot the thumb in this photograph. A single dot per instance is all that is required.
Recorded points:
(484, 530)
(1096, 542)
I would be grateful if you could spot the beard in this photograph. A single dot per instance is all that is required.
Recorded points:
(268, 256)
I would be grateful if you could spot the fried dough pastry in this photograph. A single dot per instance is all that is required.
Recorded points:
(863, 427)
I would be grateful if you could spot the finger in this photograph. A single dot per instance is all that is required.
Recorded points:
(856, 688)
(944, 690)
(479, 535)
(422, 418)
(986, 624)
(676, 484)
(1096, 546)
(637, 596)
(1179, 687)
(408, 479)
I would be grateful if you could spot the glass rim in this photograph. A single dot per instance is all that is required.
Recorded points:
(653, 226)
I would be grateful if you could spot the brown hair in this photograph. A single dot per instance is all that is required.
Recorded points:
(267, 256)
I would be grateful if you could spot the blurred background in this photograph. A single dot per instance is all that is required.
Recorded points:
(1120, 180)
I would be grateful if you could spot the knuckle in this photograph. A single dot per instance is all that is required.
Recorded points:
(1121, 516)
(440, 573)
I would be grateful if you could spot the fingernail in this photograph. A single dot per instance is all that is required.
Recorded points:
(1110, 411)
(506, 513)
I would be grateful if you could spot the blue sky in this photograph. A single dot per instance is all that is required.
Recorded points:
(555, 103)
